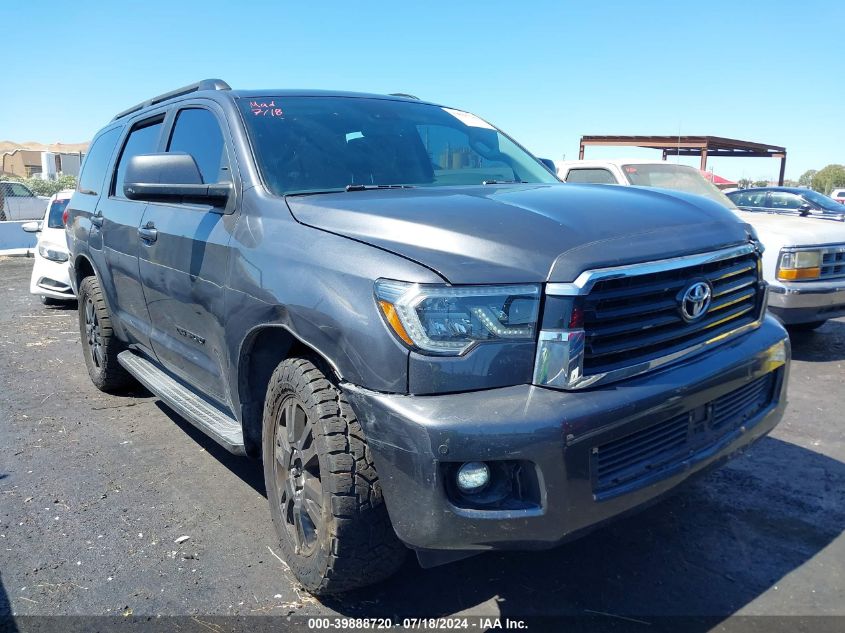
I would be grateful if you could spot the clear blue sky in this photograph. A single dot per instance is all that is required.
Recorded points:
(546, 72)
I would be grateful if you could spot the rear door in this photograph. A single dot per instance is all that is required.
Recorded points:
(116, 223)
(183, 268)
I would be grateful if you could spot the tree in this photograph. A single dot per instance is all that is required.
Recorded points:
(806, 178)
(827, 179)
(745, 183)
(46, 187)
(761, 183)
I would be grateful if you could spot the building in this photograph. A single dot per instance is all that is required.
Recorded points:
(26, 160)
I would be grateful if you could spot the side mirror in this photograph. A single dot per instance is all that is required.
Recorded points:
(549, 164)
(32, 227)
(805, 208)
(171, 177)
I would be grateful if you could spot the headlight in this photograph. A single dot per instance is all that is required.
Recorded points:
(449, 320)
(795, 265)
(53, 253)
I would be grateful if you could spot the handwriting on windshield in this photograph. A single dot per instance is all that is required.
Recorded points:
(265, 108)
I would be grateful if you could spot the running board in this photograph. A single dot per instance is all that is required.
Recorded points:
(222, 428)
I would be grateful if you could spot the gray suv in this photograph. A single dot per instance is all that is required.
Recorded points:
(428, 340)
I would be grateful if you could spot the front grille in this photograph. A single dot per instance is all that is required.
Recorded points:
(621, 462)
(833, 262)
(634, 319)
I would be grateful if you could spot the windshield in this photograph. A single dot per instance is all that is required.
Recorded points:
(677, 177)
(314, 144)
(57, 208)
(828, 204)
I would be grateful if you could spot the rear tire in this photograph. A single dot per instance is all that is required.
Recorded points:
(325, 497)
(806, 327)
(100, 346)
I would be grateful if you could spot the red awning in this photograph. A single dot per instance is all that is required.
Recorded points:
(716, 179)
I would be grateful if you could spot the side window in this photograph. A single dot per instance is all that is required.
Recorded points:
(740, 199)
(17, 190)
(197, 133)
(96, 161)
(596, 176)
(784, 200)
(143, 139)
(749, 199)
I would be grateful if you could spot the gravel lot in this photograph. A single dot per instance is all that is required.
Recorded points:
(95, 490)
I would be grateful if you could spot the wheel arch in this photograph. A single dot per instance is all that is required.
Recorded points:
(82, 268)
(261, 351)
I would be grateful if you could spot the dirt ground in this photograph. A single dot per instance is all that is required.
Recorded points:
(96, 492)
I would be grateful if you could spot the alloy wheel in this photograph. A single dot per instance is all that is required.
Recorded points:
(297, 473)
(93, 334)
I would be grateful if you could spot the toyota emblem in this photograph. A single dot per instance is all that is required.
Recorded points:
(695, 300)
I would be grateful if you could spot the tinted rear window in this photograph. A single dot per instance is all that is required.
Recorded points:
(97, 161)
(142, 140)
(57, 208)
(596, 176)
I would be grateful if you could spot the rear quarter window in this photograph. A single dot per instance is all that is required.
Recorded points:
(57, 208)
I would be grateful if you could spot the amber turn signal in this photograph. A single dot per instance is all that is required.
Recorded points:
(393, 320)
(791, 274)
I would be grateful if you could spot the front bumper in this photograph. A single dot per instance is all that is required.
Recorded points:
(417, 440)
(807, 301)
(51, 279)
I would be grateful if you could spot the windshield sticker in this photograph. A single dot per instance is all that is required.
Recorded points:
(265, 108)
(468, 119)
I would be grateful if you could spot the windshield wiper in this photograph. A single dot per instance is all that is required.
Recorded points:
(354, 187)
(501, 182)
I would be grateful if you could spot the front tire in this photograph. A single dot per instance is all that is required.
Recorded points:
(100, 346)
(325, 498)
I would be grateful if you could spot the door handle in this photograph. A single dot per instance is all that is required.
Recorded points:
(97, 220)
(148, 232)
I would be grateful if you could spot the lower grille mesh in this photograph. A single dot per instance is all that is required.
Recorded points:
(626, 459)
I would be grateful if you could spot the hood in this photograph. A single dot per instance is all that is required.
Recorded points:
(523, 233)
(790, 230)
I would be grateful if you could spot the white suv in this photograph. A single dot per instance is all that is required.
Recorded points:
(838, 195)
(804, 260)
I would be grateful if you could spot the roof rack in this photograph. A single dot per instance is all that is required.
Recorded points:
(205, 84)
(403, 94)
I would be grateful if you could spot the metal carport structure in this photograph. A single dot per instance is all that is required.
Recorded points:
(703, 146)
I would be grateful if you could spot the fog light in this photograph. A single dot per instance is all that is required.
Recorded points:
(473, 477)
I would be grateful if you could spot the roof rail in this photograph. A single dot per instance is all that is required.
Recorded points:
(403, 94)
(205, 84)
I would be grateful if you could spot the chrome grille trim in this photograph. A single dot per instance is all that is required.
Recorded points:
(560, 360)
(833, 262)
(586, 280)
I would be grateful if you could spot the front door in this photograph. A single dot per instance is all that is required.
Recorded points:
(183, 262)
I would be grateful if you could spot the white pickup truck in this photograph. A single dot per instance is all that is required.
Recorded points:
(17, 202)
(804, 260)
